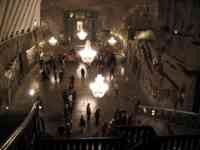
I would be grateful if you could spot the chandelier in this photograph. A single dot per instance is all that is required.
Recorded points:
(99, 87)
(87, 54)
(112, 41)
(82, 35)
(53, 41)
(32, 92)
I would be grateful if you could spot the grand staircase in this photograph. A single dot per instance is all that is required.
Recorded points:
(30, 135)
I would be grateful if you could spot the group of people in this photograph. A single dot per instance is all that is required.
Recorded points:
(86, 122)
(69, 97)
(120, 117)
(106, 61)
(52, 67)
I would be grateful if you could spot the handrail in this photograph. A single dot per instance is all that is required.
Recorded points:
(170, 110)
(21, 128)
(90, 143)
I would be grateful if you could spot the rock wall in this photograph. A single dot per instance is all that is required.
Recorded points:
(13, 60)
(165, 75)
(180, 16)
(165, 65)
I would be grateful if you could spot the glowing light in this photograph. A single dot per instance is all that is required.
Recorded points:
(78, 71)
(153, 112)
(32, 92)
(40, 107)
(87, 54)
(52, 79)
(122, 71)
(82, 104)
(7, 107)
(41, 44)
(79, 25)
(53, 41)
(99, 87)
(148, 34)
(34, 87)
(58, 80)
(155, 61)
(82, 35)
(144, 109)
(8, 74)
(175, 31)
(35, 23)
(71, 15)
(142, 35)
(112, 41)
(109, 77)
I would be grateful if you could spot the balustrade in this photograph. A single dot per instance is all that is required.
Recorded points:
(28, 136)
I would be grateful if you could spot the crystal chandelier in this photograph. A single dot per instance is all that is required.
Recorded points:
(87, 54)
(82, 35)
(32, 92)
(112, 41)
(53, 41)
(99, 87)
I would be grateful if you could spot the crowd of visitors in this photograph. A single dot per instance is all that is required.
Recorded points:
(120, 118)
(86, 122)
(106, 61)
(69, 98)
(52, 67)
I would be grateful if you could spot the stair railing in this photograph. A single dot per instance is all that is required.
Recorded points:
(25, 136)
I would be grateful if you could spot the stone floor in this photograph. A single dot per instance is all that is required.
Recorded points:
(51, 96)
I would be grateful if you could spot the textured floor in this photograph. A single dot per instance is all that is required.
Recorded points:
(51, 96)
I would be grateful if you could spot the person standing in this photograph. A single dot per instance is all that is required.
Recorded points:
(97, 116)
(82, 124)
(82, 74)
(61, 75)
(104, 128)
(88, 112)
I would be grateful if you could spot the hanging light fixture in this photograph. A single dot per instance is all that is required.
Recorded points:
(81, 33)
(35, 23)
(87, 54)
(34, 88)
(122, 71)
(112, 41)
(32, 92)
(53, 41)
(99, 87)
